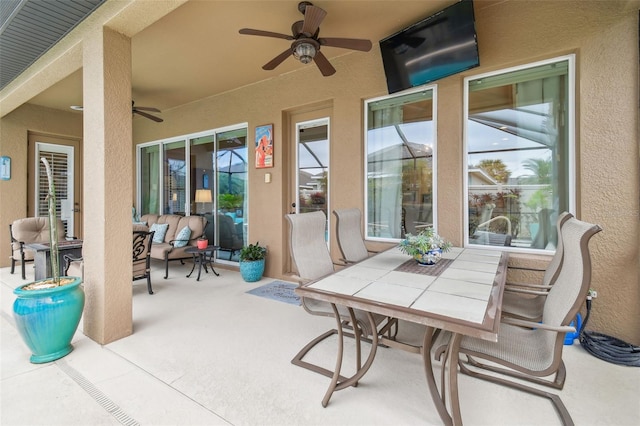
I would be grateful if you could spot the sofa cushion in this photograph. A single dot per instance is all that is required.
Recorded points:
(160, 230)
(196, 224)
(182, 238)
(32, 230)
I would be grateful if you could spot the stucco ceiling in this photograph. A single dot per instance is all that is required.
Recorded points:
(196, 51)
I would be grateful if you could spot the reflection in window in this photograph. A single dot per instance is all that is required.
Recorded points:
(149, 178)
(175, 169)
(518, 138)
(206, 176)
(400, 145)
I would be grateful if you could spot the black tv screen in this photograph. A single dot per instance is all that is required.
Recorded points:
(439, 46)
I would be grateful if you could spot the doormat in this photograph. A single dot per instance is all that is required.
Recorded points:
(281, 291)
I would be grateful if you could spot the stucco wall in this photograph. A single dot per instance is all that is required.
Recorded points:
(602, 34)
(509, 33)
(14, 130)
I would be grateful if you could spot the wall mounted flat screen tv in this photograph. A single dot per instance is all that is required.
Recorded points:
(439, 46)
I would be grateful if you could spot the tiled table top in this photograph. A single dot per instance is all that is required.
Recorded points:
(465, 293)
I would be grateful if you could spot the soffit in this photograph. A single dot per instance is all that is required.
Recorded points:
(29, 28)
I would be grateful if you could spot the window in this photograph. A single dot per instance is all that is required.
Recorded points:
(400, 167)
(519, 137)
(199, 174)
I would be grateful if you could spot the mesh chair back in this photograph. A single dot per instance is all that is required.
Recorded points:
(572, 284)
(349, 234)
(308, 247)
(553, 269)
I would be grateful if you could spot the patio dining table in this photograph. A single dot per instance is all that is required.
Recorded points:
(461, 294)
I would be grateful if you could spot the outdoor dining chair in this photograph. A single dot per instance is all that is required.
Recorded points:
(312, 260)
(528, 350)
(349, 232)
(526, 300)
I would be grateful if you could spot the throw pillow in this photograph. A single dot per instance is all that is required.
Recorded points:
(160, 232)
(183, 237)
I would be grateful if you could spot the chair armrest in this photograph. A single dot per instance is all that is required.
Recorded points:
(300, 280)
(540, 325)
(527, 285)
(68, 259)
(525, 291)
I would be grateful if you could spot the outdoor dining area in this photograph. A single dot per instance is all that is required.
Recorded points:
(441, 242)
(209, 353)
(456, 307)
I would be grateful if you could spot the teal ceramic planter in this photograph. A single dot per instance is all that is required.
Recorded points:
(252, 271)
(47, 319)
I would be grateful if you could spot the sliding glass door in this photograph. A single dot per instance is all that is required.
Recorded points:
(201, 174)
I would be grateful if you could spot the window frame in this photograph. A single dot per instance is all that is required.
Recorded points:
(187, 138)
(570, 119)
(434, 170)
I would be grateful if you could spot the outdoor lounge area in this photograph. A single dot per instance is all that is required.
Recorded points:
(197, 358)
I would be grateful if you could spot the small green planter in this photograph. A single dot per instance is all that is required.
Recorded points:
(47, 319)
(252, 270)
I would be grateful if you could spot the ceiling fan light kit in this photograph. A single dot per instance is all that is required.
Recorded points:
(304, 52)
(305, 45)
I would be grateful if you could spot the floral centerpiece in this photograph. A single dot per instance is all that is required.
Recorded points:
(426, 247)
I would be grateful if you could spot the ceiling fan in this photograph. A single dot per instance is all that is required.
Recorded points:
(306, 44)
(141, 111)
(134, 109)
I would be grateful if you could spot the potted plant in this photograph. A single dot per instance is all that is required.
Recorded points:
(426, 247)
(252, 258)
(202, 242)
(47, 312)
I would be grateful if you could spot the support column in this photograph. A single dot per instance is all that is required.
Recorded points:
(108, 186)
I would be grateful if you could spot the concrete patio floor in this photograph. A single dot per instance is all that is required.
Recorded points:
(207, 353)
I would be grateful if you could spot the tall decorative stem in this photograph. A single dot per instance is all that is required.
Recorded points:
(53, 224)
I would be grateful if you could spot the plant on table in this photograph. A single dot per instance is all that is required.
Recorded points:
(426, 246)
(202, 242)
(47, 312)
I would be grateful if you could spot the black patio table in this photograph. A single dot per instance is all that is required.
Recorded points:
(202, 257)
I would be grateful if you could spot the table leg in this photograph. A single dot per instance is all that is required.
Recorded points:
(200, 260)
(431, 382)
(208, 260)
(195, 259)
(453, 349)
(361, 370)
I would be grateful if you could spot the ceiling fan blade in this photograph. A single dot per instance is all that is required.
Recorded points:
(147, 109)
(272, 64)
(249, 31)
(323, 64)
(346, 43)
(313, 17)
(149, 116)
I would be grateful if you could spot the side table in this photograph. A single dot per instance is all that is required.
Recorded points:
(202, 257)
